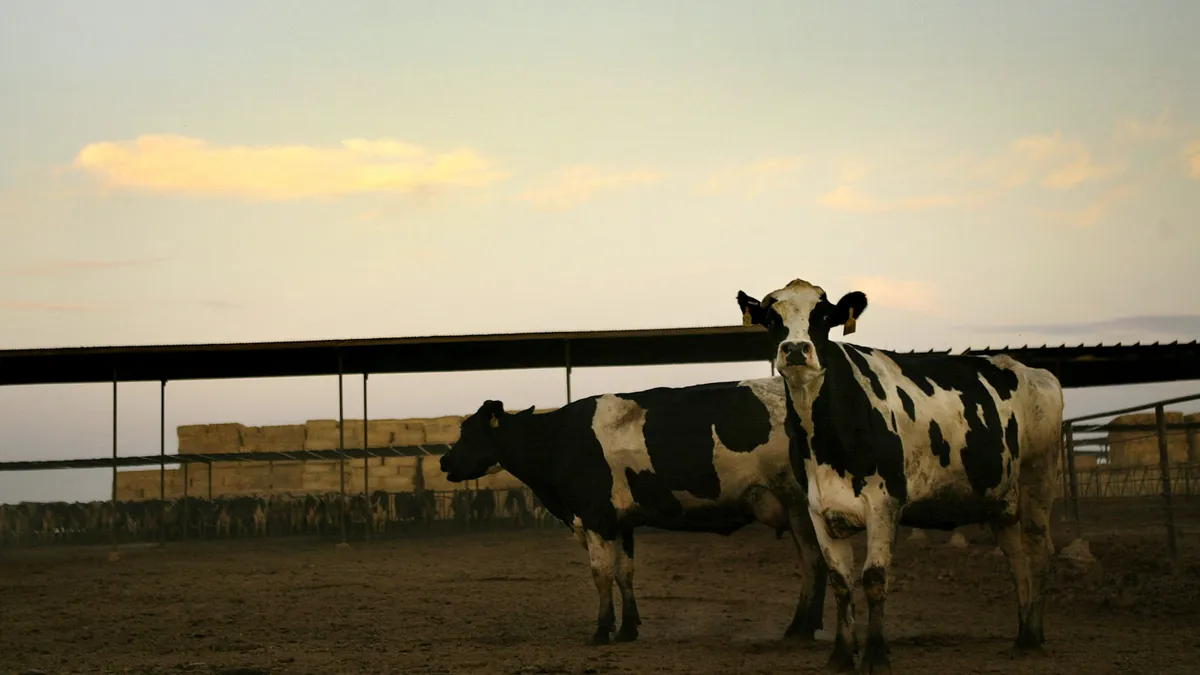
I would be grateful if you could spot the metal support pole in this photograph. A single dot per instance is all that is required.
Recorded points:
(772, 368)
(113, 554)
(162, 464)
(1074, 485)
(183, 531)
(366, 464)
(1190, 434)
(342, 450)
(1164, 463)
(567, 358)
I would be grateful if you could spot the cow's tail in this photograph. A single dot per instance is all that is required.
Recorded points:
(578, 532)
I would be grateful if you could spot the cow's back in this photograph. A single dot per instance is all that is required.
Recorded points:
(698, 446)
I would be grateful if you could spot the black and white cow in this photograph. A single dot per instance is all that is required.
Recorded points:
(922, 440)
(707, 458)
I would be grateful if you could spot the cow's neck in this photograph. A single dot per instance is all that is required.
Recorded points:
(525, 450)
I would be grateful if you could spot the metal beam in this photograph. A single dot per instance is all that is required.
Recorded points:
(162, 464)
(185, 460)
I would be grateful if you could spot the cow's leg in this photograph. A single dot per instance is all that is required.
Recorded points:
(1037, 481)
(630, 618)
(881, 532)
(839, 556)
(1008, 537)
(602, 554)
(810, 610)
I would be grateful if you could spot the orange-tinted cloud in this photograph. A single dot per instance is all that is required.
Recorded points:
(1093, 213)
(850, 198)
(1191, 155)
(912, 296)
(1049, 160)
(575, 185)
(181, 165)
(751, 180)
(1146, 130)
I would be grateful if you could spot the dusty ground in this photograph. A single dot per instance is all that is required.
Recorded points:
(523, 602)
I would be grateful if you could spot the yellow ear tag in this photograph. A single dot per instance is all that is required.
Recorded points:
(495, 422)
(849, 326)
(746, 320)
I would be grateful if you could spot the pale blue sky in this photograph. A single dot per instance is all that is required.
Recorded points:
(989, 173)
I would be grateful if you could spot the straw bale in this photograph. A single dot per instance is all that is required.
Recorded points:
(321, 435)
(209, 438)
(1193, 438)
(442, 430)
(1140, 448)
(407, 433)
(276, 438)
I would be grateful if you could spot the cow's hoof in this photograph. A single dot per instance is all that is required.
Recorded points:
(600, 637)
(1026, 651)
(840, 661)
(627, 634)
(875, 665)
(799, 634)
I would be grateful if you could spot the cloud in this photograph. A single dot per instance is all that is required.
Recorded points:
(850, 198)
(1146, 130)
(912, 296)
(1191, 155)
(1186, 326)
(58, 267)
(750, 180)
(25, 306)
(1092, 214)
(1050, 160)
(180, 165)
(575, 185)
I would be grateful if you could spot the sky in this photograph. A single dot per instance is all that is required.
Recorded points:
(988, 173)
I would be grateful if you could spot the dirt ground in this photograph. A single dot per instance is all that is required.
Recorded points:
(522, 601)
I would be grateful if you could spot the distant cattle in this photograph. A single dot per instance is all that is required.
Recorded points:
(710, 458)
(922, 440)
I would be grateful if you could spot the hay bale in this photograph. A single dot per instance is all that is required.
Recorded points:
(1193, 438)
(277, 438)
(442, 430)
(407, 433)
(321, 435)
(1140, 447)
(210, 438)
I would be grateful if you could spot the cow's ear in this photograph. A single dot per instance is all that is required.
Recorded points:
(495, 412)
(752, 311)
(528, 412)
(848, 310)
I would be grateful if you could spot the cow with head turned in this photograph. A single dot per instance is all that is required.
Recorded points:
(706, 458)
(934, 441)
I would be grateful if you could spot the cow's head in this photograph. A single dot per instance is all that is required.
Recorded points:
(799, 318)
(479, 447)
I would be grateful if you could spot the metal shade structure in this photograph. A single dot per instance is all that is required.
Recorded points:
(1081, 366)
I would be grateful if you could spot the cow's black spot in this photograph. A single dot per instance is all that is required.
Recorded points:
(858, 483)
(984, 443)
(939, 445)
(651, 492)
(798, 448)
(907, 402)
(849, 434)
(1012, 436)
(679, 427)
(856, 355)
(559, 457)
